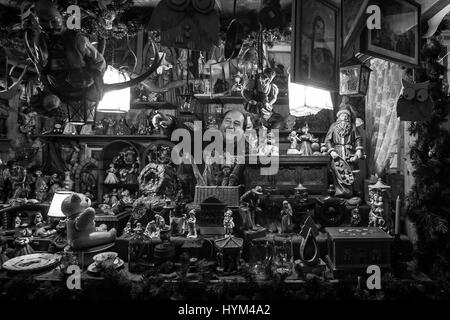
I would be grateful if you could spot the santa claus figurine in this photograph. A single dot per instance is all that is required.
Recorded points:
(345, 146)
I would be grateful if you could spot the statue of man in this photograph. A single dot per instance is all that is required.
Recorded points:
(72, 66)
(345, 146)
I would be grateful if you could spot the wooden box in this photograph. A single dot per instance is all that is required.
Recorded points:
(356, 248)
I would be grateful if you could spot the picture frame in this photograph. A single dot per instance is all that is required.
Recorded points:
(398, 40)
(316, 45)
(279, 56)
(220, 79)
(353, 12)
(93, 153)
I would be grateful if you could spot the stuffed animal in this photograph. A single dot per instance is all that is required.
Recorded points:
(81, 231)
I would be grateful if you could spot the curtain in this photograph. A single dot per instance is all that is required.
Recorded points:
(383, 126)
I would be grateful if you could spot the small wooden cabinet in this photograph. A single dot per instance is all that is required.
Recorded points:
(310, 171)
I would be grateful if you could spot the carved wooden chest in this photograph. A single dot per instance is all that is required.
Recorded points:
(355, 248)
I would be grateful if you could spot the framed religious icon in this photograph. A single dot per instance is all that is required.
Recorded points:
(220, 79)
(353, 14)
(315, 48)
(398, 39)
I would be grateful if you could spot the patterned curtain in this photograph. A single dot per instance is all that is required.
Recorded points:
(383, 126)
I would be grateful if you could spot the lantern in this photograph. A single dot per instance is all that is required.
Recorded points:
(115, 101)
(354, 78)
(81, 112)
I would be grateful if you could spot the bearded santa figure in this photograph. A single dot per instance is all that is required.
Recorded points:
(345, 146)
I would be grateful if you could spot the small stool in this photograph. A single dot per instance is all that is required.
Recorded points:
(86, 255)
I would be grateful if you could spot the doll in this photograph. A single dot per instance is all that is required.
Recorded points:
(356, 217)
(122, 127)
(17, 222)
(228, 222)
(191, 225)
(128, 231)
(286, 217)
(123, 175)
(160, 222)
(114, 199)
(126, 197)
(111, 178)
(132, 176)
(306, 140)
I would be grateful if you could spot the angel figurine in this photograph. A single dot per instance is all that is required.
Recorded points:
(294, 139)
(111, 178)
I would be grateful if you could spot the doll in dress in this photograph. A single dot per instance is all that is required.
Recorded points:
(111, 178)
(294, 139)
(132, 176)
(228, 222)
(191, 224)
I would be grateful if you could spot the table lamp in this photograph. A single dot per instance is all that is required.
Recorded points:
(55, 207)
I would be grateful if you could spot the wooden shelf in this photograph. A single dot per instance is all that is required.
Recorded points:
(233, 99)
(105, 138)
(291, 159)
(138, 105)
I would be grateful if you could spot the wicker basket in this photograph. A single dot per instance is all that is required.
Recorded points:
(227, 195)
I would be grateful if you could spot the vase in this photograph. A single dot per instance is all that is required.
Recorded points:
(68, 182)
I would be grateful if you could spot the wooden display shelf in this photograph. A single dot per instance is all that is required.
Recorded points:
(137, 105)
(105, 138)
(233, 99)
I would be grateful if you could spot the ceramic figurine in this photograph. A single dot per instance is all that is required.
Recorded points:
(260, 94)
(249, 207)
(122, 128)
(185, 228)
(286, 217)
(138, 228)
(228, 223)
(22, 240)
(294, 139)
(99, 128)
(40, 186)
(345, 147)
(17, 222)
(211, 122)
(128, 231)
(111, 178)
(114, 198)
(160, 222)
(306, 139)
(126, 197)
(152, 230)
(132, 176)
(191, 224)
(123, 173)
(111, 129)
(269, 147)
(356, 217)
(377, 215)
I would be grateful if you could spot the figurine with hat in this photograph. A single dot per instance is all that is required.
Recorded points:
(345, 146)
(249, 206)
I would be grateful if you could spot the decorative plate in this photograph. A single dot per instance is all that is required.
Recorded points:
(31, 262)
(118, 263)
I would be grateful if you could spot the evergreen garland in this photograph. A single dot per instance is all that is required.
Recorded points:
(429, 198)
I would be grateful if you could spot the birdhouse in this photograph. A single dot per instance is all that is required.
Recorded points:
(229, 255)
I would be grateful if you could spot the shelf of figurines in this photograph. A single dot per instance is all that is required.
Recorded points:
(207, 99)
(138, 105)
(85, 137)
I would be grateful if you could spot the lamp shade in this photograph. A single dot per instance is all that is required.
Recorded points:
(55, 207)
(115, 101)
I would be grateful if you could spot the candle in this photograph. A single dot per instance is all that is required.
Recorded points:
(397, 216)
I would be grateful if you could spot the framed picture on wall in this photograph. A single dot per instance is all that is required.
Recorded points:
(315, 49)
(220, 79)
(398, 39)
(353, 14)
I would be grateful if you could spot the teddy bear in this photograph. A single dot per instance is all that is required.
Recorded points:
(81, 230)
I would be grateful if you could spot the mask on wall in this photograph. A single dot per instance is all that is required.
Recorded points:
(415, 103)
